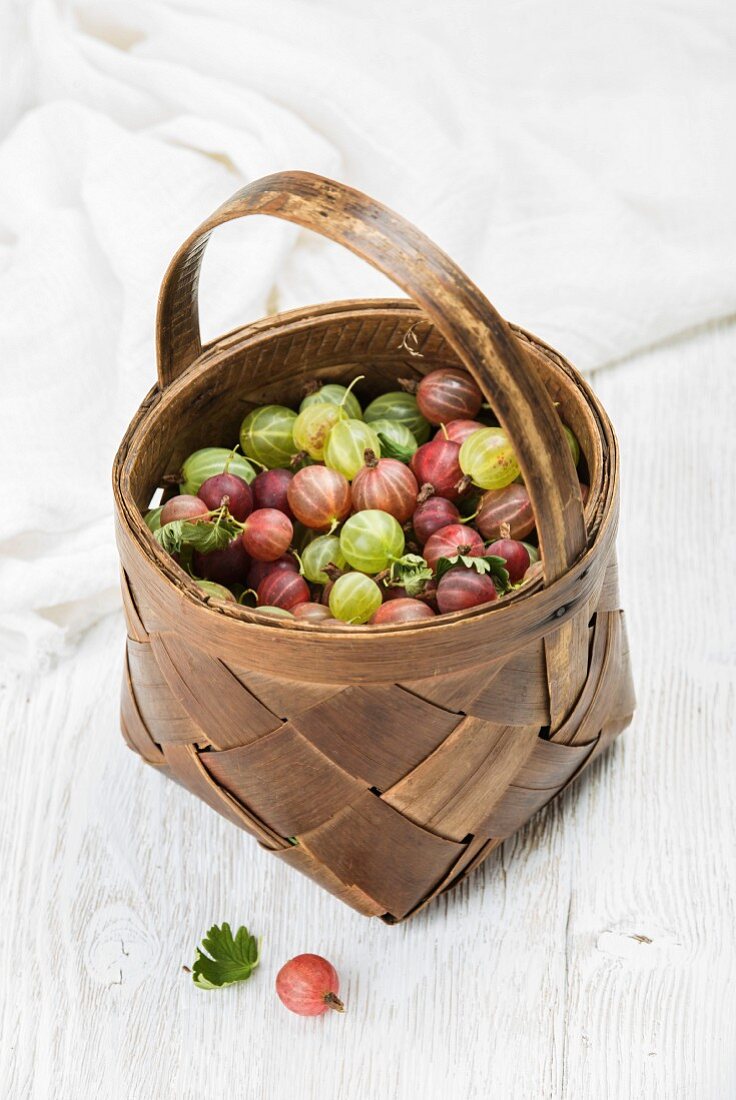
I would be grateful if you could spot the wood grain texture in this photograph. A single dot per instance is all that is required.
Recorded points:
(591, 956)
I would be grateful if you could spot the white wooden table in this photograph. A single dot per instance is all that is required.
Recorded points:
(592, 957)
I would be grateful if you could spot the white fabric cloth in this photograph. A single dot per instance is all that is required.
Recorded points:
(576, 158)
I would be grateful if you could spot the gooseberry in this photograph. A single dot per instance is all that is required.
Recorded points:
(515, 554)
(319, 497)
(267, 435)
(396, 439)
(283, 588)
(308, 985)
(573, 445)
(500, 508)
(267, 534)
(354, 598)
(334, 394)
(448, 394)
(210, 461)
(184, 507)
(319, 553)
(215, 591)
(402, 610)
(313, 425)
(488, 459)
(227, 566)
(371, 540)
(346, 446)
(431, 515)
(458, 430)
(277, 612)
(387, 485)
(260, 569)
(270, 488)
(450, 541)
(461, 588)
(402, 408)
(437, 464)
(230, 491)
(311, 612)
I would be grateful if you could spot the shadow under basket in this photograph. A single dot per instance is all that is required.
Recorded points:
(383, 762)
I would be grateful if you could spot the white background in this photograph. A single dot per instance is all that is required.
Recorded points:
(578, 160)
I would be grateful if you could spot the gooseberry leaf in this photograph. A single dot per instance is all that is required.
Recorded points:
(411, 572)
(229, 958)
(204, 537)
(391, 449)
(487, 563)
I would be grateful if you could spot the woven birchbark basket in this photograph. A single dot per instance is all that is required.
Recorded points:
(383, 762)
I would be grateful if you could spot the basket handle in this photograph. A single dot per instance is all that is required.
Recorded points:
(481, 338)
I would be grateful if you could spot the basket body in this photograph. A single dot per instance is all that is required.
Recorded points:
(385, 763)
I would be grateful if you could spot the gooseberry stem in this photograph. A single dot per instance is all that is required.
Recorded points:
(333, 1001)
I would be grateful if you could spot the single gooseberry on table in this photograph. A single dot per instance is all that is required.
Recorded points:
(402, 610)
(185, 507)
(319, 497)
(462, 588)
(438, 464)
(283, 588)
(267, 534)
(371, 540)
(448, 394)
(515, 554)
(385, 484)
(509, 507)
(308, 985)
(228, 491)
(270, 490)
(267, 435)
(354, 598)
(448, 542)
(488, 459)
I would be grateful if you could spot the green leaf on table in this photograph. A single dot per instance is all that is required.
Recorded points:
(229, 958)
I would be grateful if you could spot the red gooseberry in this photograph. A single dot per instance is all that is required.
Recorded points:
(515, 554)
(433, 514)
(227, 566)
(505, 508)
(458, 430)
(267, 534)
(270, 490)
(308, 985)
(450, 541)
(319, 497)
(437, 464)
(184, 506)
(448, 394)
(385, 484)
(284, 588)
(461, 588)
(229, 490)
(402, 610)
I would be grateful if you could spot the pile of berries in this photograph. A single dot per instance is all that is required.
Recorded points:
(409, 508)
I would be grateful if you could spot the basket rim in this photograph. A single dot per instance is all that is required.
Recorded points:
(601, 512)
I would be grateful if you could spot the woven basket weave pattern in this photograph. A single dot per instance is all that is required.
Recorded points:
(383, 763)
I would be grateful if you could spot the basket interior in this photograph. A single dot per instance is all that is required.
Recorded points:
(273, 361)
